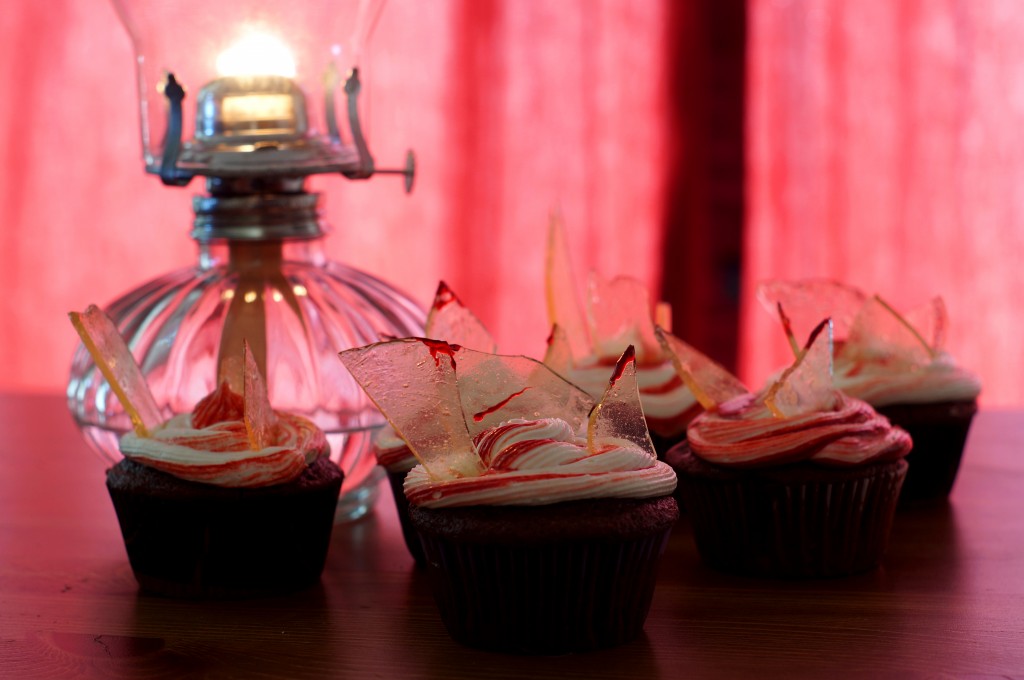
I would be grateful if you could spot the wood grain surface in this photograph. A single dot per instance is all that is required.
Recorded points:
(948, 602)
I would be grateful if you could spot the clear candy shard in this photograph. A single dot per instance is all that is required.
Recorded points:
(787, 327)
(619, 414)
(260, 419)
(881, 334)
(930, 321)
(115, 361)
(558, 356)
(806, 386)
(709, 382)
(619, 314)
(413, 383)
(809, 301)
(495, 388)
(564, 309)
(663, 315)
(451, 321)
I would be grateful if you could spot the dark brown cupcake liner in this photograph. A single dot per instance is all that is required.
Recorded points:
(516, 581)
(663, 444)
(939, 432)
(797, 521)
(412, 541)
(194, 540)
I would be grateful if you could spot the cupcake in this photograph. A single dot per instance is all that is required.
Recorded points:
(585, 343)
(232, 500)
(541, 514)
(898, 364)
(799, 481)
(394, 455)
(453, 322)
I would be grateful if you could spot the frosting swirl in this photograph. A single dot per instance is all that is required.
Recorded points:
(668, 405)
(391, 450)
(742, 432)
(211, 446)
(539, 462)
(882, 382)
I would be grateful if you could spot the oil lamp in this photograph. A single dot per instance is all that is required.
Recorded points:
(254, 96)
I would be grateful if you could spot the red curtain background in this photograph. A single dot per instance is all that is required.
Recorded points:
(885, 149)
(881, 139)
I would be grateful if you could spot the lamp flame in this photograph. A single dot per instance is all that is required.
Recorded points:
(257, 54)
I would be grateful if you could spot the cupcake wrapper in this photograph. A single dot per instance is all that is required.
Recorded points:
(760, 525)
(548, 599)
(412, 541)
(193, 540)
(568, 577)
(939, 432)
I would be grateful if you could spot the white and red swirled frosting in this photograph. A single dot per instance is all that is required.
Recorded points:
(668, 405)
(743, 432)
(211, 446)
(392, 452)
(540, 462)
(882, 383)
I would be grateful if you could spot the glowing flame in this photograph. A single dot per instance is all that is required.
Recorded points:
(257, 54)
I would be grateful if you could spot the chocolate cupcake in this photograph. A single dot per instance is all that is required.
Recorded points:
(231, 500)
(541, 534)
(939, 431)
(568, 577)
(394, 456)
(192, 540)
(205, 515)
(898, 364)
(800, 481)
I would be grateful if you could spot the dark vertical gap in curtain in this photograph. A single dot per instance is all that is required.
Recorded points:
(704, 215)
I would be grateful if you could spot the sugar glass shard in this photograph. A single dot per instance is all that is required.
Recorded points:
(259, 416)
(451, 321)
(710, 383)
(116, 363)
(663, 315)
(809, 301)
(930, 321)
(619, 414)
(806, 386)
(787, 327)
(494, 388)
(412, 381)
(619, 312)
(564, 309)
(558, 356)
(880, 334)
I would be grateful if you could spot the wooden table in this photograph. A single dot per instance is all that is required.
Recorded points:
(949, 601)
